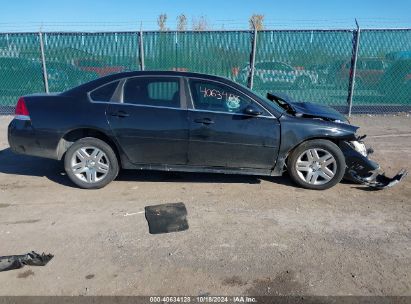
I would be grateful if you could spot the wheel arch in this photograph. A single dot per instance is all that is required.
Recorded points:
(332, 139)
(75, 134)
(281, 165)
(327, 180)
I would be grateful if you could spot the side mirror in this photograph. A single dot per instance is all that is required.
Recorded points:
(252, 110)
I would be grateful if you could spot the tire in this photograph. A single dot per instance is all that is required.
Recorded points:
(95, 162)
(320, 170)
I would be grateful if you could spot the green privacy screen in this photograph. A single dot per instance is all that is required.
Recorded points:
(218, 53)
(72, 59)
(307, 65)
(383, 74)
(20, 68)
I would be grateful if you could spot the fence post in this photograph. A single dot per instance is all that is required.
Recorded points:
(252, 59)
(353, 67)
(43, 63)
(141, 48)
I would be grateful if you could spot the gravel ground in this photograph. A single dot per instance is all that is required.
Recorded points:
(247, 235)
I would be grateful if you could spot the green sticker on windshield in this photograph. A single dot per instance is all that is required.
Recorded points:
(233, 102)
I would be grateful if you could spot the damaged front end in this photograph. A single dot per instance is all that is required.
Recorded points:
(363, 170)
(360, 168)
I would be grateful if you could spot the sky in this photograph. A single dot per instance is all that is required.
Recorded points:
(116, 15)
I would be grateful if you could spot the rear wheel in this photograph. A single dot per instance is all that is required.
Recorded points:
(91, 163)
(316, 164)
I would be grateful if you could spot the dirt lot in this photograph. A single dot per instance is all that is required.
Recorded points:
(247, 235)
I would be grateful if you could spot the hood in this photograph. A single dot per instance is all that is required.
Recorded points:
(307, 109)
(317, 110)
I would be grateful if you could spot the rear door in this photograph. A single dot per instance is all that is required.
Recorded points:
(221, 135)
(150, 120)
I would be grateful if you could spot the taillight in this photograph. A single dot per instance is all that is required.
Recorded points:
(21, 110)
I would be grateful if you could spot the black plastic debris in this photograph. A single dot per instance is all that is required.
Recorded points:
(166, 218)
(380, 181)
(11, 262)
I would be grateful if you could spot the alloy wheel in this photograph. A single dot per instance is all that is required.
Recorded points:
(90, 164)
(316, 166)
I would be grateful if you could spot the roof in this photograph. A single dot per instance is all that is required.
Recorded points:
(172, 73)
(112, 77)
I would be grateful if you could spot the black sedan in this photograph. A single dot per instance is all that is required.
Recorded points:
(178, 121)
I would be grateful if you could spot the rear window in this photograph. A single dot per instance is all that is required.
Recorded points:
(105, 92)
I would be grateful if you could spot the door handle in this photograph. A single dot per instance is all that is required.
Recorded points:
(204, 121)
(120, 114)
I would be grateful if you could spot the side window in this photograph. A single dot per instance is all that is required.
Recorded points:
(162, 90)
(374, 65)
(286, 67)
(263, 65)
(259, 65)
(154, 91)
(273, 66)
(105, 92)
(213, 96)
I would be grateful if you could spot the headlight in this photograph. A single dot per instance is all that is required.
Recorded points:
(359, 147)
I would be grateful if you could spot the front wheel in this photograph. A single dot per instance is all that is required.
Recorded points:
(316, 164)
(91, 163)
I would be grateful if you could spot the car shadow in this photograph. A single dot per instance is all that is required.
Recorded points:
(190, 177)
(11, 163)
(365, 188)
(14, 164)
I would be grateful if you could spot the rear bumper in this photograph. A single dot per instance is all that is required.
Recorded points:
(23, 139)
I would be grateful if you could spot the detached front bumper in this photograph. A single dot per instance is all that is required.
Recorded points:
(365, 171)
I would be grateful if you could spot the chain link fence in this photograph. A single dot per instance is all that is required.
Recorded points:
(313, 65)
(218, 53)
(304, 64)
(75, 58)
(20, 68)
(383, 71)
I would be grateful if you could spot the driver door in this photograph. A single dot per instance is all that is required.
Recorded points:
(222, 135)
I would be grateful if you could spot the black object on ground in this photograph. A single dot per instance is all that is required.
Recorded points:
(380, 181)
(11, 262)
(166, 218)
